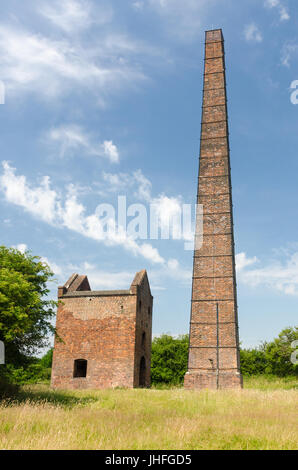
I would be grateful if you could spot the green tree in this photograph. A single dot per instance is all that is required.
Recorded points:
(25, 310)
(278, 353)
(252, 361)
(169, 359)
(47, 359)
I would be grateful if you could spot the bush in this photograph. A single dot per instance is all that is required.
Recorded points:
(31, 374)
(7, 387)
(169, 359)
(252, 361)
(278, 354)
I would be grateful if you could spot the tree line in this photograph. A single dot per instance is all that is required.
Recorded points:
(25, 325)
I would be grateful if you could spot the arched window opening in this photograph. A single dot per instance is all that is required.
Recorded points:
(80, 368)
(149, 311)
(140, 305)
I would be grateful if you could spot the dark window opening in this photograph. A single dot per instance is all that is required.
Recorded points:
(149, 310)
(80, 368)
(140, 306)
(142, 379)
(143, 339)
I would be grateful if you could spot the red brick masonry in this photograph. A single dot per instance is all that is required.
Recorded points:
(214, 342)
(111, 330)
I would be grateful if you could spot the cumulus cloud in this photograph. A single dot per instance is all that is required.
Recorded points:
(40, 201)
(283, 12)
(48, 205)
(37, 64)
(22, 247)
(167, 211)
(252, 33)
(159, 277)
(57, 270)
(110, 150)
(242, 261)
(68, 15)
(288, 52)
(70, 139)
(281, 276)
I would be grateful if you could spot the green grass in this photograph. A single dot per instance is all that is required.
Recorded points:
(267, 382)
(262, 416)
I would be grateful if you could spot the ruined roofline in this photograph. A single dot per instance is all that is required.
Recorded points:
(78, 286)
(138, 280)
(97, 293)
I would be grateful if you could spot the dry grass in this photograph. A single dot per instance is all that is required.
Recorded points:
(152, 419)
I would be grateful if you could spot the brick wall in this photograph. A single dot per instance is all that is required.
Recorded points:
(105, 329)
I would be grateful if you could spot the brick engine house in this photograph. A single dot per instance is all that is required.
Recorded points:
(103, 337)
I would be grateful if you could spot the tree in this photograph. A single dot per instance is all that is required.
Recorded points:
(25, 310)
(278, 353)
(252, 361)
(169, 359)
(47, 359)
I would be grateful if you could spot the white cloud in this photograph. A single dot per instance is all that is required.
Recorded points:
(57, 270)
(167, 209)
(135, 181)
(144, 186)
(40, 201)
(252, 33)
(47, 205)
(36, 64)
(22, 247)
(160, 277)
(103, 280)
(242, 261)
(111, 151)
(288, 51)
(100, 280)
(73, 138)
(68, 15)
(117, 181)
(277, 275)
(73, 15)
(283, 12)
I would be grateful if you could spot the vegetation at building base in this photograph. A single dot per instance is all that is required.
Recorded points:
(169, 363)
(25, 325)
(169, 358)
(25, 315)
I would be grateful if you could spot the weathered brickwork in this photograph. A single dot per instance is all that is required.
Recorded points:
(214, 342)
(109, 331)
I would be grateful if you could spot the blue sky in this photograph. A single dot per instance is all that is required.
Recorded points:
(103, 98)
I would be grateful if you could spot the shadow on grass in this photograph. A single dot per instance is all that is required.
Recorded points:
(48, 396)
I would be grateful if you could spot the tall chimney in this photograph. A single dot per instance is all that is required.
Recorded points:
(214, 341)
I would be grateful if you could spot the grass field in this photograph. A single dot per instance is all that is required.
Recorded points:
(262, 416)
